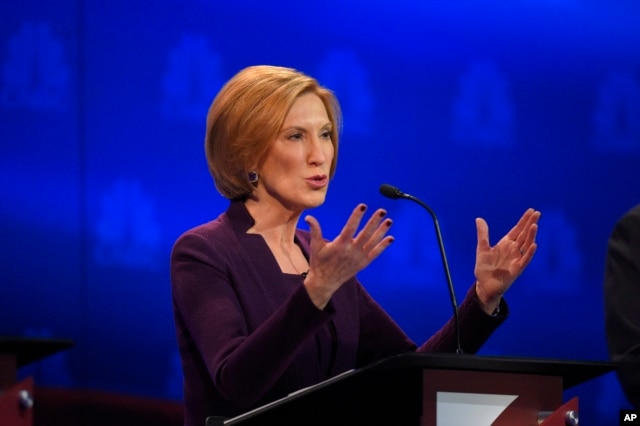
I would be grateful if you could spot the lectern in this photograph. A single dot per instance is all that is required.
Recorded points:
(435, 390)
(16, 399)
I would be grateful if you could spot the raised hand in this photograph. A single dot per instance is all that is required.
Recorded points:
(498, 267)
(331, 263)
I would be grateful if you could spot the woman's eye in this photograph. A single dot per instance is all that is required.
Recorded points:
(326, 135)
(295, 136)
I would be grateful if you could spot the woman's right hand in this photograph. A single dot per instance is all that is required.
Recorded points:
(332, 263)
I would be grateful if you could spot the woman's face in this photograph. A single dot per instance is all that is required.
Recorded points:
(295, 173)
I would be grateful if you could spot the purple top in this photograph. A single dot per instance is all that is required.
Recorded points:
(249, 334)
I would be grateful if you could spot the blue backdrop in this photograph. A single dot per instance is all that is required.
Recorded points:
(478, 108)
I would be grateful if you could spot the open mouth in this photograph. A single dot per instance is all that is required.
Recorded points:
(318, 181)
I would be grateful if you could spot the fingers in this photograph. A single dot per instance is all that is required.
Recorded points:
(516, 231)
(333, 262)
(350, 228)
(314, 228)
(483, 234)
(380, 247)
(528, 249)
(380, 232)
(528, 255)
(521, 229)
(373, 232)
(519, 242)
(371, 229)
(372, 239)
(527, 235)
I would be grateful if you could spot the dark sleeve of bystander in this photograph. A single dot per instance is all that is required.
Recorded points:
(622, 302)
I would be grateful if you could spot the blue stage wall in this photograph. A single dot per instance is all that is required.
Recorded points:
(478, 108)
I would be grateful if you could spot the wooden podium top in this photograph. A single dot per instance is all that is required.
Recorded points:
(28, 349)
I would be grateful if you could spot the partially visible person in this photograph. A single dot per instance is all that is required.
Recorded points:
(622, 302)
(263, 308)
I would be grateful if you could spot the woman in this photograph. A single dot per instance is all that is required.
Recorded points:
(263, 308)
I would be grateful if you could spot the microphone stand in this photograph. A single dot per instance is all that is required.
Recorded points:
(394, 193)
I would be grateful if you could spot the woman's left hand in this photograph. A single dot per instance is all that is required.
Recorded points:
(498, 267)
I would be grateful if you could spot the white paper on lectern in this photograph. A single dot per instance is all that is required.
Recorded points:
(470, 409)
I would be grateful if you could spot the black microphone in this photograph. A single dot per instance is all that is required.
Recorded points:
(394, 193)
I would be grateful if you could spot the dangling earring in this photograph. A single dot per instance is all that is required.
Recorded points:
(253, 177)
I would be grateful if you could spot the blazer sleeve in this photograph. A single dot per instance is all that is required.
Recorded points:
(622, 302)
(476, 326)
(381, 336)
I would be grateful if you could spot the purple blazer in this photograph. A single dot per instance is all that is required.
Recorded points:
(249, 334)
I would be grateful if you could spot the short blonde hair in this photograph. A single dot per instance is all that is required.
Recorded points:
(246, 116)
